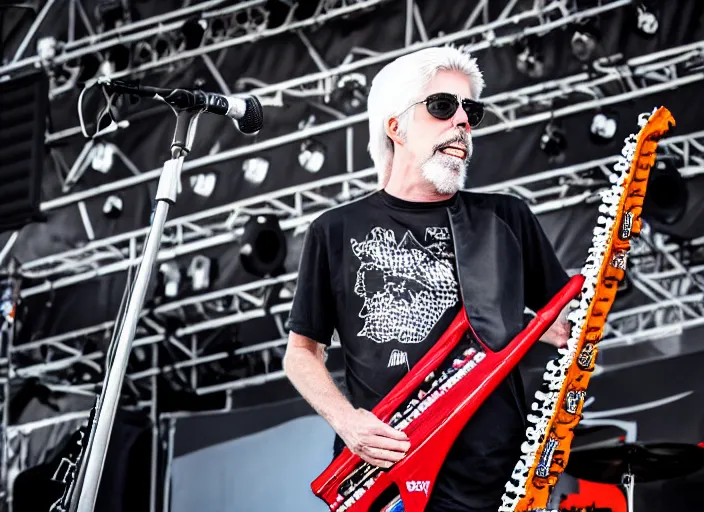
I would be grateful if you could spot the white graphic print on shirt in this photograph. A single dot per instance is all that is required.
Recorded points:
(406, 287)
(398, 358)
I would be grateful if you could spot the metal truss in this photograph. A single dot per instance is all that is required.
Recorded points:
(609, 83)
(227, 26)
(567, 186)
(671, 278)
(511, 109)
(320, 84)
(294, 205)
(541, 18)
(248, 22)
(548, 191)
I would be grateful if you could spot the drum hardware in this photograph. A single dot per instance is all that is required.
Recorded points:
(627, 462)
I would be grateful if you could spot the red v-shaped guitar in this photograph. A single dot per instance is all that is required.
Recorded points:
(432, 404)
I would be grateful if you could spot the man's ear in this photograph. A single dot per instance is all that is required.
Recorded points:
(392, 130)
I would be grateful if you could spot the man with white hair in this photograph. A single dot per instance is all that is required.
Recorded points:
(391, 270)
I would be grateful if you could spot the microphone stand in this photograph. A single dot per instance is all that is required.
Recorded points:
(89, 474)
(628, 482)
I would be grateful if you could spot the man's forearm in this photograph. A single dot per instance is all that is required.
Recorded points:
(309, 375)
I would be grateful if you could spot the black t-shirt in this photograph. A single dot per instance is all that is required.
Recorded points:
(381, 272)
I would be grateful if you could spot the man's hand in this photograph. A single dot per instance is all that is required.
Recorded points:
(364, 434)
(371, 439)
(559, 332)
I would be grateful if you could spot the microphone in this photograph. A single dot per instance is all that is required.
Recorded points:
(247, 111)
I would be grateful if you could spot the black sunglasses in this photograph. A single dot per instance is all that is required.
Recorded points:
(444, 105)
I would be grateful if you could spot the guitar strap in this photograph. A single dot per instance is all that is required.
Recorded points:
(490, 277)
(490, 271)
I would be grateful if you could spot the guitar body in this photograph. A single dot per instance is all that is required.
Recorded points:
(432, 404)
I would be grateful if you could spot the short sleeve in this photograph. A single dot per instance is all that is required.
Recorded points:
(313, 310)
(544, 274)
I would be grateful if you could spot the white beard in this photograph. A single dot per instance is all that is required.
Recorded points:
(447, 173)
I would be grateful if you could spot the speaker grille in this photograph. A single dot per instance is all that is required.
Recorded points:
(23, 107)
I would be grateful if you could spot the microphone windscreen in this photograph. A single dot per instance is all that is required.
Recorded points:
(253, 118)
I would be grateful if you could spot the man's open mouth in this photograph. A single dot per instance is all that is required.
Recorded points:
(454, 150)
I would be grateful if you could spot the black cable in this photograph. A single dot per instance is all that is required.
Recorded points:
(119, 322)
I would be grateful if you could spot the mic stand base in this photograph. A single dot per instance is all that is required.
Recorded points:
(628, 484)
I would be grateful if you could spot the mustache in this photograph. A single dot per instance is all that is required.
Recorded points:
(459, 138)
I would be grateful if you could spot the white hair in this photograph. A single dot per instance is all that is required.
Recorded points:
(399, 84)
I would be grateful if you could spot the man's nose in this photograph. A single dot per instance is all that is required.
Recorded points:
(460, 119)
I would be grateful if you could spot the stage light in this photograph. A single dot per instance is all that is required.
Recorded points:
(646, 22)
(203, 184)
(89, 65)
(106, 68)
(47, 48)
(529, 60)
(111, 14)
(192, 33)
(584, 41)
(142, 53)
(694, 64)
(84, 68)
(200, 271)
(119, 56)
(350, 94)
(163, 46)
(279, 10)
(170, 276)
(255, 20)
(255, 170)
(553, 142)
(117, 59)
(603, 128)
(312, 156)
(666, 200)
(263, 246)
(304, 8)
(218, 29)
(103, 155)
(62, 75)
(583, 45)
(112, 208)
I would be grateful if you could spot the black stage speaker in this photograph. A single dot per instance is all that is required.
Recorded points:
(124, 484)
(24, 102)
